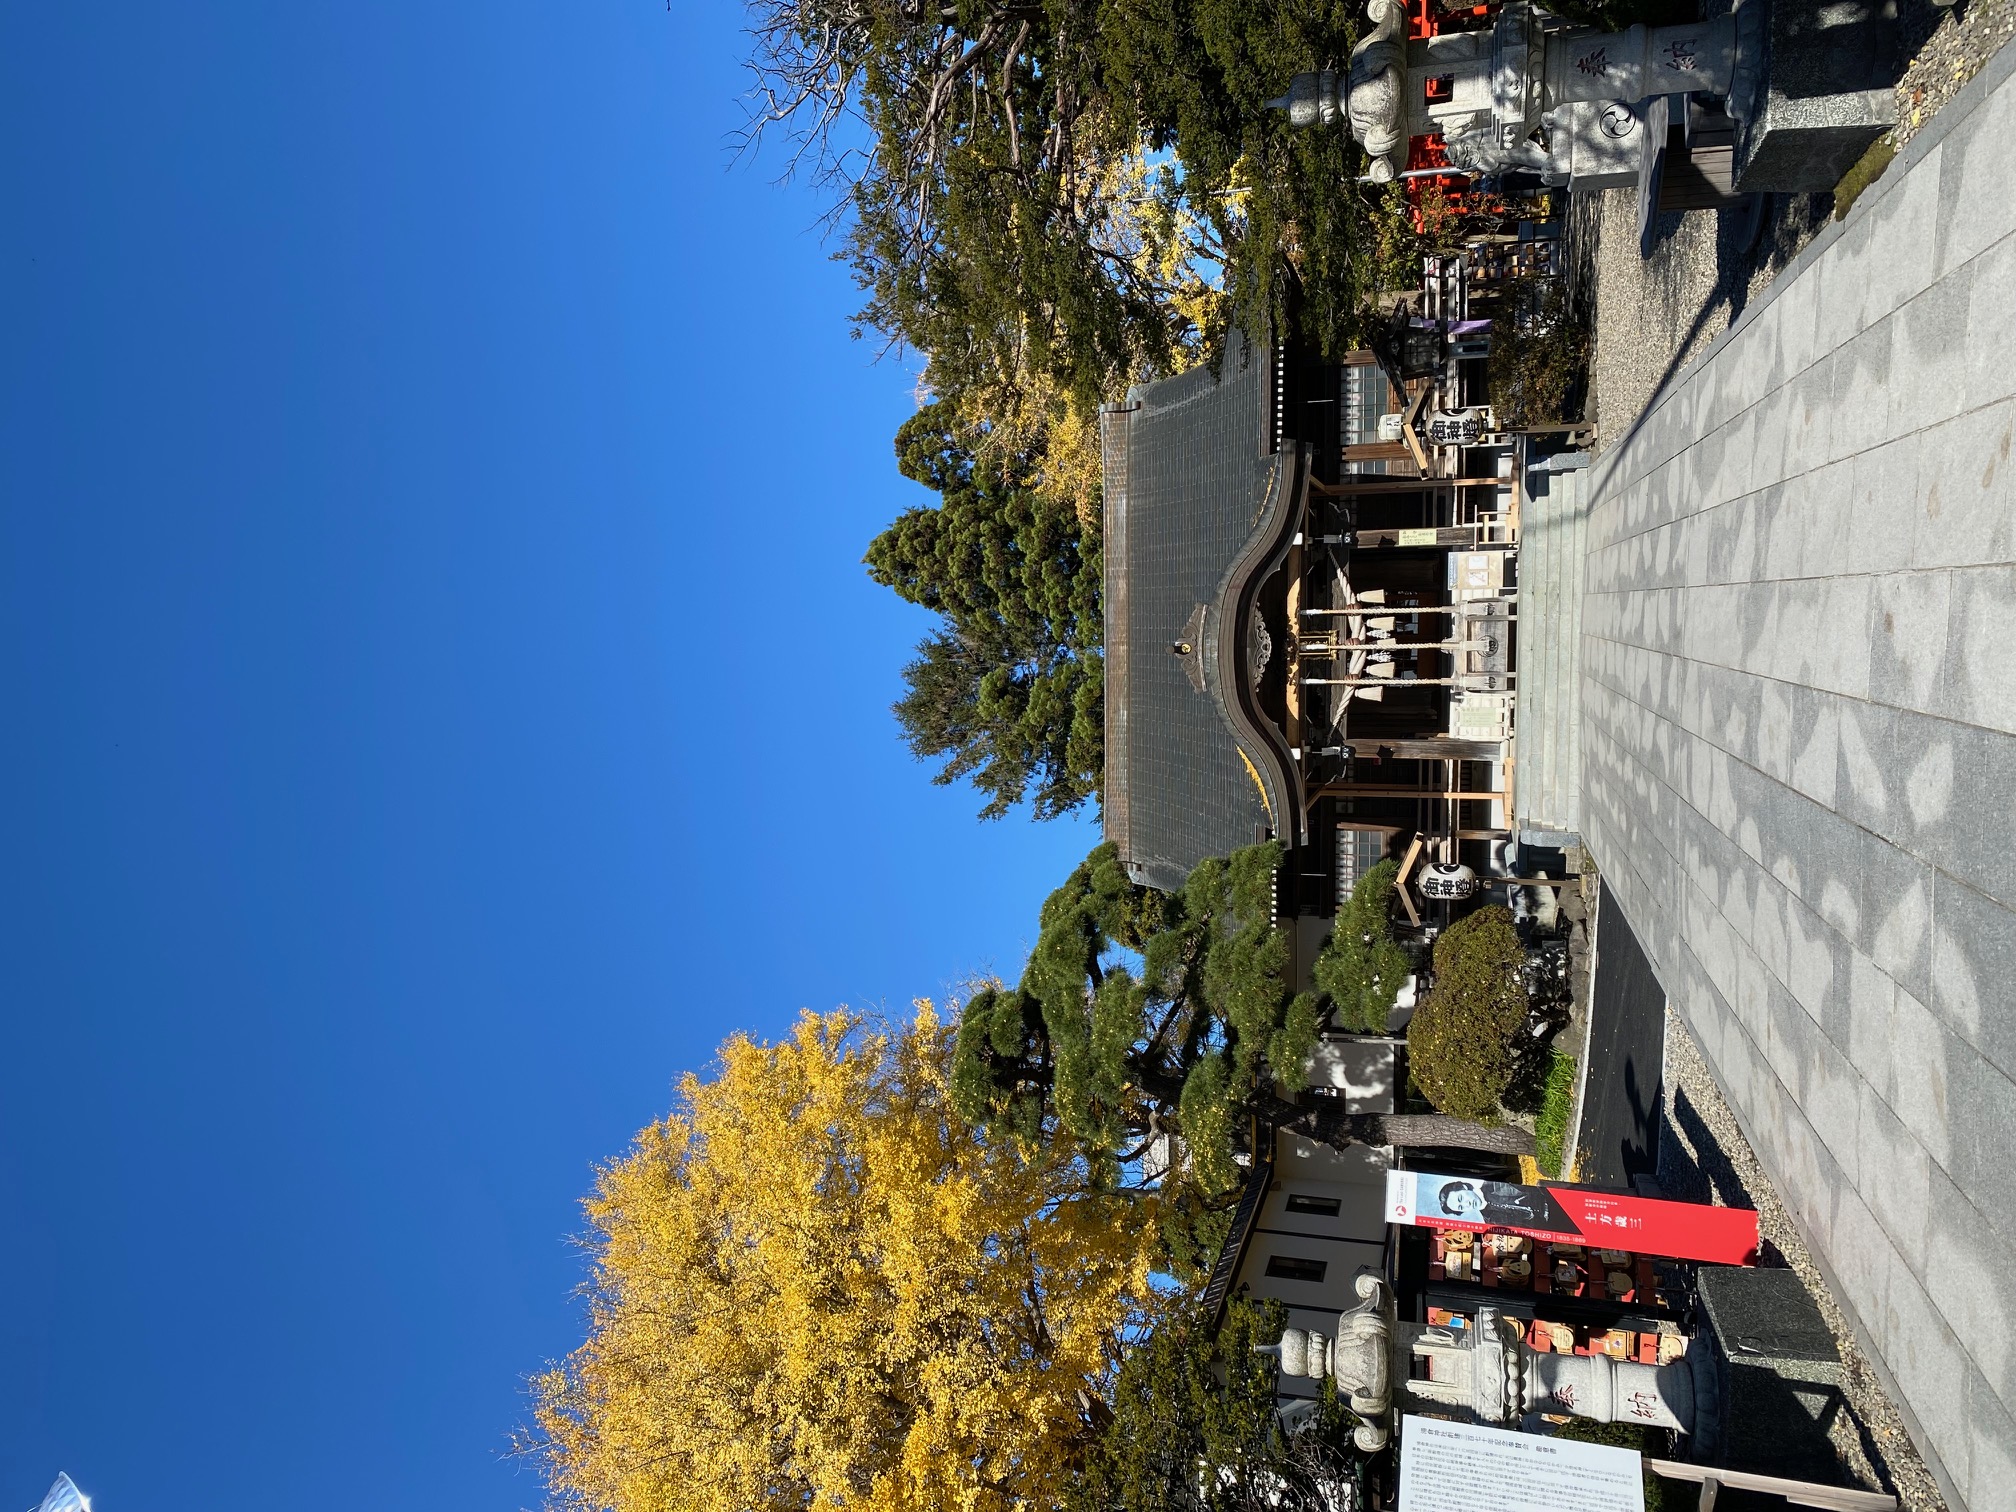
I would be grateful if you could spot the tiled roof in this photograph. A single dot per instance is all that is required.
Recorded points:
(1195, 495)
(1218, 1290)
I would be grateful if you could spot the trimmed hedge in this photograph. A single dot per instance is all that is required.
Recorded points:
(1462, 1041)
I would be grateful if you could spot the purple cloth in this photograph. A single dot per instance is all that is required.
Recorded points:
(1456, 327)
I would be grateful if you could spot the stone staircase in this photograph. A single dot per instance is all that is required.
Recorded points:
(1552, 527)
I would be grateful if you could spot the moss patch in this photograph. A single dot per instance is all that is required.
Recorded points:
(1868, 168)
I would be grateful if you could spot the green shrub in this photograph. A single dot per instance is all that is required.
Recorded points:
(1462, 1042)
(1621, 15)
(1396, 245)
(1539, 354)
(1362, 966)
(1557, 1106)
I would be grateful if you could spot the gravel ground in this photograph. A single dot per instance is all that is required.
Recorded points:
(1652, 315)
(1703, 1157)
(1948, 47)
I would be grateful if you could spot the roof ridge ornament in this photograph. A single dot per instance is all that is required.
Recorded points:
(1188, 639)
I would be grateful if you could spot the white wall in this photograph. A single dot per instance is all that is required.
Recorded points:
(1296, 1224)
(1365, 1069)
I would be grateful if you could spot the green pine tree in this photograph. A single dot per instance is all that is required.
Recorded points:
(1194, 1426)
(1363, 966)
(1071, 195)
(1144, 1017)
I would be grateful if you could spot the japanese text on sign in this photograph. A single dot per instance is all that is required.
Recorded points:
(1459, 1467)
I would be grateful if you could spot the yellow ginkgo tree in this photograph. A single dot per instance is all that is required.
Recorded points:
(816, 1287)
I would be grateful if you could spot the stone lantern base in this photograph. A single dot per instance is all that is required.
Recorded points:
(1825, 91)
(1780, 1372)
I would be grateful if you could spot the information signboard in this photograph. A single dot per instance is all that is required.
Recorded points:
(1461, 1467)
(1602, 1220)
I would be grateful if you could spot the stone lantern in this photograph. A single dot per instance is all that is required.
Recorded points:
(1504, 98)
(1492, 1372)
(1807, 83)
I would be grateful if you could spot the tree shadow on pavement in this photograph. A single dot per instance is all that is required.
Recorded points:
(1693, 1167)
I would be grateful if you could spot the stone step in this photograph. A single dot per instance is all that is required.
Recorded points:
(1551, 577)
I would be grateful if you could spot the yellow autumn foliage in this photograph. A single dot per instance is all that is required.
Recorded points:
(1014, 405)
(815, 1287)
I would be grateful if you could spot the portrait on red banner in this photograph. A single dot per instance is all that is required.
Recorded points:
(1580, 1215)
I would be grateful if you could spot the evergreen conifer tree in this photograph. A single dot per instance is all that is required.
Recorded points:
(1008, 691)
(1363, 967)
(1148, 1020)
(1194, 1426)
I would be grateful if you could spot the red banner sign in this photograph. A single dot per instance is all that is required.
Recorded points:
(1602, 1220)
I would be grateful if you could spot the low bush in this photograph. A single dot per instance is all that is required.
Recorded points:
(1463, 1041)
(1539, 354)
(1646, 1441)
(1621, 15)
(1362, 966)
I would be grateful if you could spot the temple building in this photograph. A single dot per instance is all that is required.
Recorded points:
(1310, 579)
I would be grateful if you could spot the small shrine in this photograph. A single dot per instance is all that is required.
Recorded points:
(1309, 628)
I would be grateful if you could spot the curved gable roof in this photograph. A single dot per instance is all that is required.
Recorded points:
(1199, 507)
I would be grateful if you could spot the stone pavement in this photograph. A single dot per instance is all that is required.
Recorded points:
(1799, 755)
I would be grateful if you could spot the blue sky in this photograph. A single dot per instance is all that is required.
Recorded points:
(442, 699)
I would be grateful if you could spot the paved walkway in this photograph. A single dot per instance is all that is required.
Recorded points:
(1799, 755)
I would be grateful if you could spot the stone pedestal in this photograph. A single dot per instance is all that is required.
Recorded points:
(1824, 92)
(1606, 144)
(1780, 1370)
